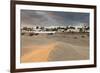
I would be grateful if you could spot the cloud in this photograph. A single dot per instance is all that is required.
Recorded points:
(51, 18)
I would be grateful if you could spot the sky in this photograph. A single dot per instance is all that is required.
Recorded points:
(53, 18)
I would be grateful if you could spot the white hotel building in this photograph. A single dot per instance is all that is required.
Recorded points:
(39, 30)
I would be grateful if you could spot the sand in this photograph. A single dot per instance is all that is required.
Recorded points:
(56, 47)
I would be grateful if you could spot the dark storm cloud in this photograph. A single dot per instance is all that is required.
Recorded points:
(49, 18)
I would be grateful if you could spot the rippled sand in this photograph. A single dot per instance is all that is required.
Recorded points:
(57, 47)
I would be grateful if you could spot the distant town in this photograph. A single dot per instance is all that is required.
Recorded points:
(54, 29)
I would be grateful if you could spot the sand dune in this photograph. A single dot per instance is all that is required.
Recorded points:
(54, 48)
(40, 54)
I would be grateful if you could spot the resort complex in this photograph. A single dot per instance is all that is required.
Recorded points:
(54, 29)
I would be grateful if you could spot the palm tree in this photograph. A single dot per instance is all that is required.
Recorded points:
(37, 27)
(42, 28)
(80, 30)
(66, 28)
(24, 28)
(71, 27)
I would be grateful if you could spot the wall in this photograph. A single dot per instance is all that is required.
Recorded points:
(5, 36)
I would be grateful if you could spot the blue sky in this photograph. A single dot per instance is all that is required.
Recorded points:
(53, 18)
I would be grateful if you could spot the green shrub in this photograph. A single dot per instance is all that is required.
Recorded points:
(31, 34)
(75, 37)
(50, 33)
(22, 33)
(83, 36)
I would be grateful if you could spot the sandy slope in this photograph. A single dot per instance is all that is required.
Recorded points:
(54, 48)
(39, 54)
